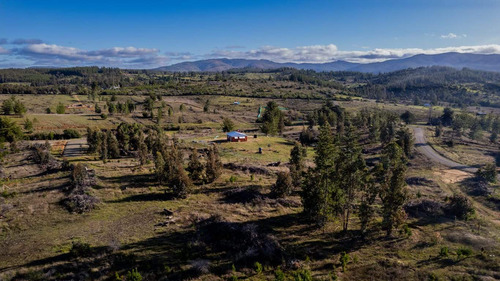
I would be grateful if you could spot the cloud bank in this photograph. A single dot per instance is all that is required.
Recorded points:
(328, 53)
(34, 52)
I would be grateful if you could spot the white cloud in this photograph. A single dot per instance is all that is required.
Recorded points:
(453, 36)
(4, 51)
(328, 53)
(45, 54)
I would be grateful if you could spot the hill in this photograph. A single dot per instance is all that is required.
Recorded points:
(455, 60)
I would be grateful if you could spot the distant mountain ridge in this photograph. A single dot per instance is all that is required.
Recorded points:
(455, 60)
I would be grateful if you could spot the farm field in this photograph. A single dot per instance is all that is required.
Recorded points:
(90, 195)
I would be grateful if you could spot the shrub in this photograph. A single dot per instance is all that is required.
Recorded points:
(463, 253)
(258, 267)
(303, 275)
(444, 252)
(279, 275)
(134, 275)
(487, 173)
(71, 134)
(80, 250)
(406, 230)
(283, 185)
(344, 259)
(80, 203)
(233, 179)
(460, 207)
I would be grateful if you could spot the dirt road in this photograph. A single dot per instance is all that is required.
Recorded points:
(423, 147)
(75, 147)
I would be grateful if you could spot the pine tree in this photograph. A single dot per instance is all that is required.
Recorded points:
(195, 167)
(393, 191)
(320, 193)
(351, 168)
(213, 168)
(180, 182)
(113, 148)
(142, 150)
(103, 139)
(160, 170)
(297, 163)
(404, 138)
(283, 185)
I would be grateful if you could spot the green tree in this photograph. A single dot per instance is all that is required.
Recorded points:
(19, 108)
(352, 170)
(408, 117)
(447, 117)
(113, 147)
(227, 125)
(195, 167)
(60, 109)
(283, 185)
(297, 163)
(487, 173)
(404, 138)
(213, 167)
(9, 130)
(271, 119)
(320, 193)
(393, 193)
(28, 125)
(8, 106)
(180, 182)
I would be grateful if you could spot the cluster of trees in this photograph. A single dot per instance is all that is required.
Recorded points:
(341, 182)
(466, 124)
(13, 106)
(148, 144)
(118, 107)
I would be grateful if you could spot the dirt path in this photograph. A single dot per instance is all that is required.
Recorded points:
(75, 147)
(424, 147)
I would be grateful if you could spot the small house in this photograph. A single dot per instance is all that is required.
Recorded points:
(236, 136)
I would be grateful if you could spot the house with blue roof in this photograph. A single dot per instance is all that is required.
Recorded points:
(236, 136)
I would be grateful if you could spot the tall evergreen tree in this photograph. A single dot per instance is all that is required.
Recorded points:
(213, 167)
(351, 169)
(393, 191)
(195, 167)
(297, 163)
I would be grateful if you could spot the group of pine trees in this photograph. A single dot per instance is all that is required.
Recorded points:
(341, 184)
(13, 106)
(148, 144)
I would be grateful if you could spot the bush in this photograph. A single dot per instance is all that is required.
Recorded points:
(460, 207)
(464, 253)
(279, 275)
(80, 250)
(134, 275)
(80, 203)
(487, 173)
(444, 252)
(233, 179)
(283, 185)
(71, 134)
(258, 267)
(344, 259)
(303, 275)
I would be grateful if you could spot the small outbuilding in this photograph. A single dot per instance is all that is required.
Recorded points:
(236, 136)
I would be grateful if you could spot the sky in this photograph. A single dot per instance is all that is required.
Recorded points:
(153, 33)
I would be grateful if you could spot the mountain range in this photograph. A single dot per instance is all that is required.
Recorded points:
(455, 60)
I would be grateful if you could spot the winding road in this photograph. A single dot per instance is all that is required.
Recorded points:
(423, 147)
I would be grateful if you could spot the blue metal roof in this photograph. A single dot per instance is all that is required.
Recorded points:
(234, 134)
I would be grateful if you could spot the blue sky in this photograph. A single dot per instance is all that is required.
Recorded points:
(144, 34)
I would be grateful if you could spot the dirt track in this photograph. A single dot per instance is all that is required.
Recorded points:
(423, 147)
